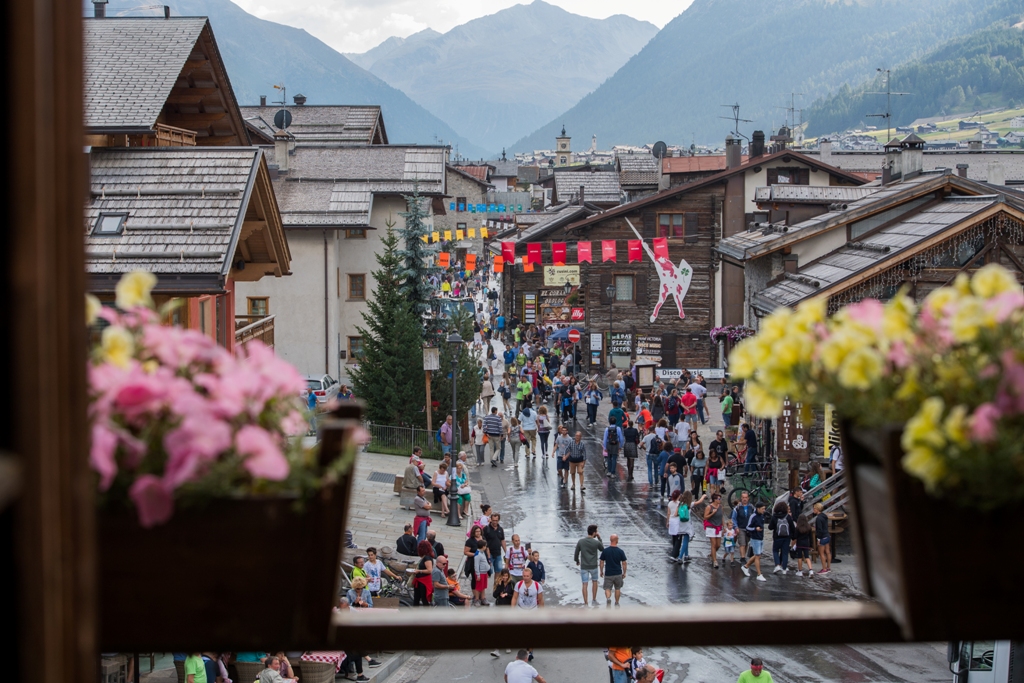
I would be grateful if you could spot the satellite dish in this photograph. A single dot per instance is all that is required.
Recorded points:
(282, 119)
(660, 150)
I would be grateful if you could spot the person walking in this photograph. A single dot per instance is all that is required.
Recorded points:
(494, 540)
(755, 532)
(630, 447)
(700, 391)
(651, 446)
(674, 523)
(486, 394)
(740, 516)
(685, 513)
(756, 673)
(577, 458)
(528, 423)
(516, 558)
(479, 440)
(725, 406)
(588, 549)
(750, 439)
(689, 404)
(781, 525)
(802, 542)
(446, 432)
(543, 431)
(713, 526)
(613, 569)
(492, 427)
(613, 438)
(561, 455)
(528, 594)
(515, 440)
(823, 539)
(593, 400)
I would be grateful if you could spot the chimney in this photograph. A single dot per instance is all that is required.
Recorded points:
(995, 174)
(961, 170)
(974, 145)
(167, 11)
(299, 100)
(757, 144)
(913, 156)
(733, 151)
(263, 100)
(281, 151)
(825, 151)
(583, 196)
(892, 168)
(99, 8)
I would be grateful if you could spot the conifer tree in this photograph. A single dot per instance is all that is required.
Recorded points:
(390, 375)
(467, 372)
(416, 255)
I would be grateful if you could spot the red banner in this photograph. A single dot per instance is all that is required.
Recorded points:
(470, 261)
(508, 251)
(583, 252)
(499, 264)
(608, 250)
(443, 259)
(661, 247)
(558, 253)
(533, 253)
(634, 250)
(578, 314)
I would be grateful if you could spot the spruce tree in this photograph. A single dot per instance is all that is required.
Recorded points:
(416, 255)
(390, 375)
(467, 373)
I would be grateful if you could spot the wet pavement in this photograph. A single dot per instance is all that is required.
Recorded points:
(553, 519)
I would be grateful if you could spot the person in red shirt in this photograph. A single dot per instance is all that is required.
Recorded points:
(689, 402)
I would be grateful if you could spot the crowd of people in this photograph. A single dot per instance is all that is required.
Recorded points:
(274, 667)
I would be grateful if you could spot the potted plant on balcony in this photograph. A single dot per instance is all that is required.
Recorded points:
(215, 524)
(933, 401)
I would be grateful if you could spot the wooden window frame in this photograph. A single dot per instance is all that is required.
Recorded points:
(682, 225)
(249, 301)
(355, 233)
(617, 300)
(352, 357)
(350, 295)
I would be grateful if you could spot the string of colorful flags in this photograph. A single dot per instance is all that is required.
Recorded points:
(485, 208)
(535, 252)
(459, 235)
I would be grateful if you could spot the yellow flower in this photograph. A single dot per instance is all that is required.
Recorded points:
(809, 313)
(150, 366)
(898, 318)
(748, 356)
(860, 369)
(991, 280)
(843, 340)
(937, 300)
(92, 309)
(925, 427)
(955, 426)
(776, 325)
(117, 346)
(791, 350)
(761, 402)
(925, 464)
(962, 284)
(134, 290)
(968, 318)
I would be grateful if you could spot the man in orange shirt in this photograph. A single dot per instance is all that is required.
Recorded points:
(619, 658)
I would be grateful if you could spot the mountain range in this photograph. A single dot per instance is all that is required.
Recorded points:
(755, 52)
(259, 54)
(499, 77)
(982, 70)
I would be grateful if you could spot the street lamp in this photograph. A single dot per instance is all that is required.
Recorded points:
(610, 291)
(453, 499)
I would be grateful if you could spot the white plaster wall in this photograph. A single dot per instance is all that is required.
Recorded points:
(819, 245)
(1011, 161)
(753, 180)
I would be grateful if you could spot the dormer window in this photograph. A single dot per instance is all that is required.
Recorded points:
(109, 224)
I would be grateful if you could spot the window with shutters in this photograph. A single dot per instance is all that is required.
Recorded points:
(670, 225)
(624, 288)
(789, 176)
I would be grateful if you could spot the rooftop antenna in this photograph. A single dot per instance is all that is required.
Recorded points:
(735, 118)
(791, 109)
(888, 103)
(283, 117)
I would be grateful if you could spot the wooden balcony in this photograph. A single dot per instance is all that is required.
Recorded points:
(249, 327)
(171, 136)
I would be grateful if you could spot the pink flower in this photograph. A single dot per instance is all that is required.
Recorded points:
(264, 459)
(898, 355)
(1006, 304)
(983, 422)
(225, 396)
(294, 424)
(141, 394)
(867, 312)
(153, 500)
(199, 439)
(101, 455)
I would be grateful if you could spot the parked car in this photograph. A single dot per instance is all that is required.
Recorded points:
(324, 386)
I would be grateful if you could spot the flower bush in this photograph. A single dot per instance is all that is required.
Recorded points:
(951, 369)
(174, 416)
(733, 333)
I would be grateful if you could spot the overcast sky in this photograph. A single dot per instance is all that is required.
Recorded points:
(358, 25)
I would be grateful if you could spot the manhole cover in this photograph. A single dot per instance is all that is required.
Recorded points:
(382, 477)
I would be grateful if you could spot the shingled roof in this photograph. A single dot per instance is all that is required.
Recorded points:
(140, 71)
(334, 186)
(600, 187)
(185, 208)
(337, 124)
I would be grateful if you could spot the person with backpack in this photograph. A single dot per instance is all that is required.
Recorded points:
(782, 526)
(740, 517)
(516, 558)
(630, 447)
(802, 542)
(613, 439)
(684, 513)
(673, 408)
(755, 532)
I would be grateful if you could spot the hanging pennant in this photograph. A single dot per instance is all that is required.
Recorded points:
(558, 253)
(459, 235)
(499, 266)
(608, 250)
(661, 247)
(424, 238)
(444, 259)
(533, 254)
(499, 260)
(447, 235)
(451, 207)
(472, 208)
(483, 232)
(471, 233)
(583, 252)
(508, 251)
(634, 251)
(470, 262)
(436, 236)
(527, 267)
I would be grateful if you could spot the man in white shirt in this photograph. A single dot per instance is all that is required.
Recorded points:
(682, 433)
(520, 671)
(700, 392)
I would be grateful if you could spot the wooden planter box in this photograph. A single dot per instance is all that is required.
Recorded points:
(942, 570)
(236, 574)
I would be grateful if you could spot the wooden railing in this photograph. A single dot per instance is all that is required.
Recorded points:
(170, 136)
(249, 327)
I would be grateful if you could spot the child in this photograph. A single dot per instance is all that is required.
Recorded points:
(537, 566)
(755, 532)
(802, 542)
(729, 543)
(480, 569)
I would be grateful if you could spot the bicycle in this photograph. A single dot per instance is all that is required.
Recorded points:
(757, 486)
